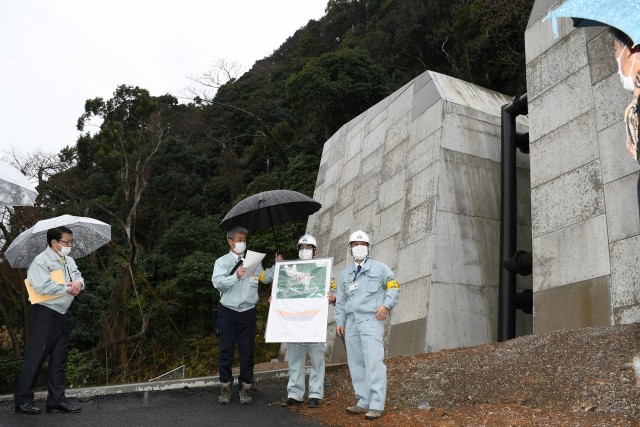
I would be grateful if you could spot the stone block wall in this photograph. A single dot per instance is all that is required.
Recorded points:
(585, 220)
(420, 172)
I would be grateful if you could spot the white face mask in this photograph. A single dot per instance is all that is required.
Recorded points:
(64, 250)
(627, 81)
(360, 252)
(305, 253)
(239, 247)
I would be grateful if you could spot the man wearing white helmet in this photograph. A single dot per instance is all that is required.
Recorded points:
(366, 292)
(297, 352)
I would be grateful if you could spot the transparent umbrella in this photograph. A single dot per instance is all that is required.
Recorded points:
(88, 235)
(621, 14)
(15, 188)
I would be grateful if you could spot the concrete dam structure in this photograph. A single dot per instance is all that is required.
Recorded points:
(420, 172)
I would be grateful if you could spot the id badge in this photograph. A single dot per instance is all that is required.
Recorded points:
(353, 286)
(253, 279)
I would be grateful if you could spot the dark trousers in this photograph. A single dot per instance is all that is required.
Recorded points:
(638, 192)
(48, 337)
(236, 327)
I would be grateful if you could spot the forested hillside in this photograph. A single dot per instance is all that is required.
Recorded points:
(165, 173)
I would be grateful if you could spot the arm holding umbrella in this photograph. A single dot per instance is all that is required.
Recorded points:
(267, 274)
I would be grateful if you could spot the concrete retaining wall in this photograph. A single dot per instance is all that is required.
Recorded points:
(420, 172)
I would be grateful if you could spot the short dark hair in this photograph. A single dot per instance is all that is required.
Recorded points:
(620, 36)
(56, 233)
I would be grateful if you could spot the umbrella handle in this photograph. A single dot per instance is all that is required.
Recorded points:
(273, 231)
(554, 23)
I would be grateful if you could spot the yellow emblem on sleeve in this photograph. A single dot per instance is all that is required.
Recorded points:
(393, 284)
(333, 285)
(261, 278)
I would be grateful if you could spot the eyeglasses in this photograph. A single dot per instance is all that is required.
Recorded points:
(66, 242)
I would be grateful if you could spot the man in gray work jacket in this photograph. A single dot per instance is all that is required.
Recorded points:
(56, 280)
(237, 314)
(367, 291)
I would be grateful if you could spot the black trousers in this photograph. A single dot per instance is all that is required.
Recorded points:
(236, 327)
(48, 338)
(638, 191)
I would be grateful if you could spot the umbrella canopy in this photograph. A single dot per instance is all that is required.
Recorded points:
(88, 235)
(269, 208)
(15, 188)
(621, 14)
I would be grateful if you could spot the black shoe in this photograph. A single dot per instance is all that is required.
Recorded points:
(64, 407)
(314, 402)
(29, 408)
(291, 402)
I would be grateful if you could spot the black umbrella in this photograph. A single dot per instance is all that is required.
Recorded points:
(269, 208)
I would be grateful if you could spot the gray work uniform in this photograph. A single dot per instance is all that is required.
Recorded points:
(237, 316)
(359, 296)
(296, 357)
(39, 275)
(238, 295)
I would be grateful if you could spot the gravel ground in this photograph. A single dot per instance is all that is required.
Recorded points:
(563, 378)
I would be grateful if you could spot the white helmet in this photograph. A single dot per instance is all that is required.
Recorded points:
(308, 239)
(359, 236)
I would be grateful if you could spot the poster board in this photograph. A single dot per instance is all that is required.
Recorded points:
(299, 306)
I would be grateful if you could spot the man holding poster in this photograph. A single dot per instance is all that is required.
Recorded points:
(297, 351)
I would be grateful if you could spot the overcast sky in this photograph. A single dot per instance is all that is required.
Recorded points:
(56, 54)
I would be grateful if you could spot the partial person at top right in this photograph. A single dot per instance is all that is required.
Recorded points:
(628, 66)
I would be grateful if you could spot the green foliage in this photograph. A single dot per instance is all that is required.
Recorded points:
(9, 371)
(82, 370)
(201, 356)
(489, 41)
(302, 173)
(333, 88)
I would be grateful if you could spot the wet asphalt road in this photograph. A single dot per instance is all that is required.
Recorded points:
(183, 407)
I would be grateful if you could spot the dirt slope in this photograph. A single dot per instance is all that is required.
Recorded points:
(572, 378)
